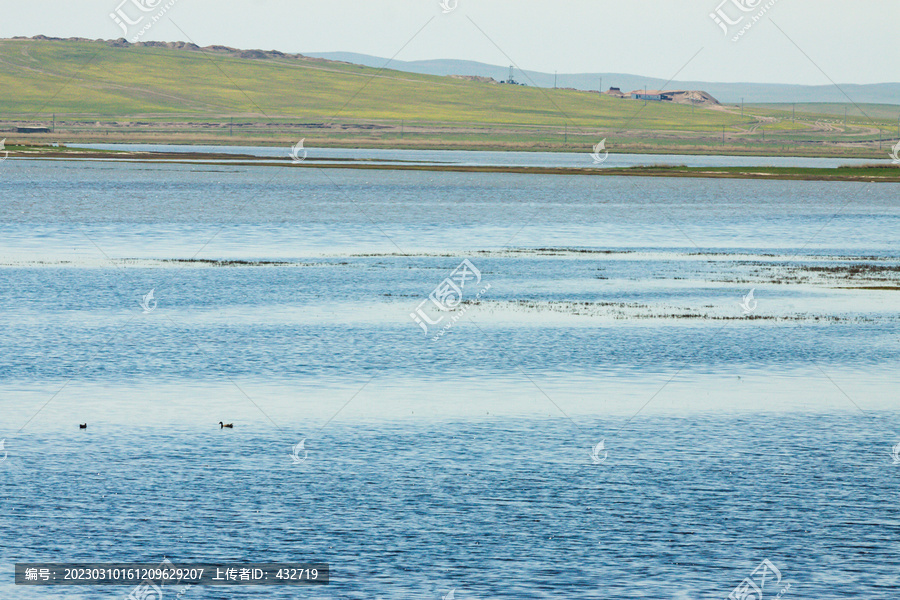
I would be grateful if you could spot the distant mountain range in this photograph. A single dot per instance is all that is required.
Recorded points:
(879, 93)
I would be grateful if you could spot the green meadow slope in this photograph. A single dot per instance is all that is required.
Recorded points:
(99, 91)
(94, 79)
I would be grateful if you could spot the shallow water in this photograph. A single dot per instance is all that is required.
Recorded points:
(519, 159)
(458, 460)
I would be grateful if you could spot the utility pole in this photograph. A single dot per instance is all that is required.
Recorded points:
(723, 135)
(601, 85)
(845, 116)
(794, 113)
(554, 80)
(231, 127)
(567, 132)
(53, 127)
(742, 108)
(401, 129)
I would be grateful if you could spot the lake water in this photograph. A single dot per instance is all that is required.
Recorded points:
(453, 455)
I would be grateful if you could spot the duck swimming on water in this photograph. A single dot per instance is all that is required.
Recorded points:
(82, 426)
(224, 425)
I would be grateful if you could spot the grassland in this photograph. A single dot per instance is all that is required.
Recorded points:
(95, 92)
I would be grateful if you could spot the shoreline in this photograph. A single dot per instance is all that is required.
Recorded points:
(858, 150)
(862, 173)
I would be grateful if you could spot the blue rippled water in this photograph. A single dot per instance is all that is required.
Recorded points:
(282, 303)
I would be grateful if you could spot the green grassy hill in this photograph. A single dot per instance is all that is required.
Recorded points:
(99, 91)
(93, 79)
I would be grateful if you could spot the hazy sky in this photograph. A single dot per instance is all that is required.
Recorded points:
(852, 42)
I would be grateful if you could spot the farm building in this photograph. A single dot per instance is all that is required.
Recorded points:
(647, 95)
